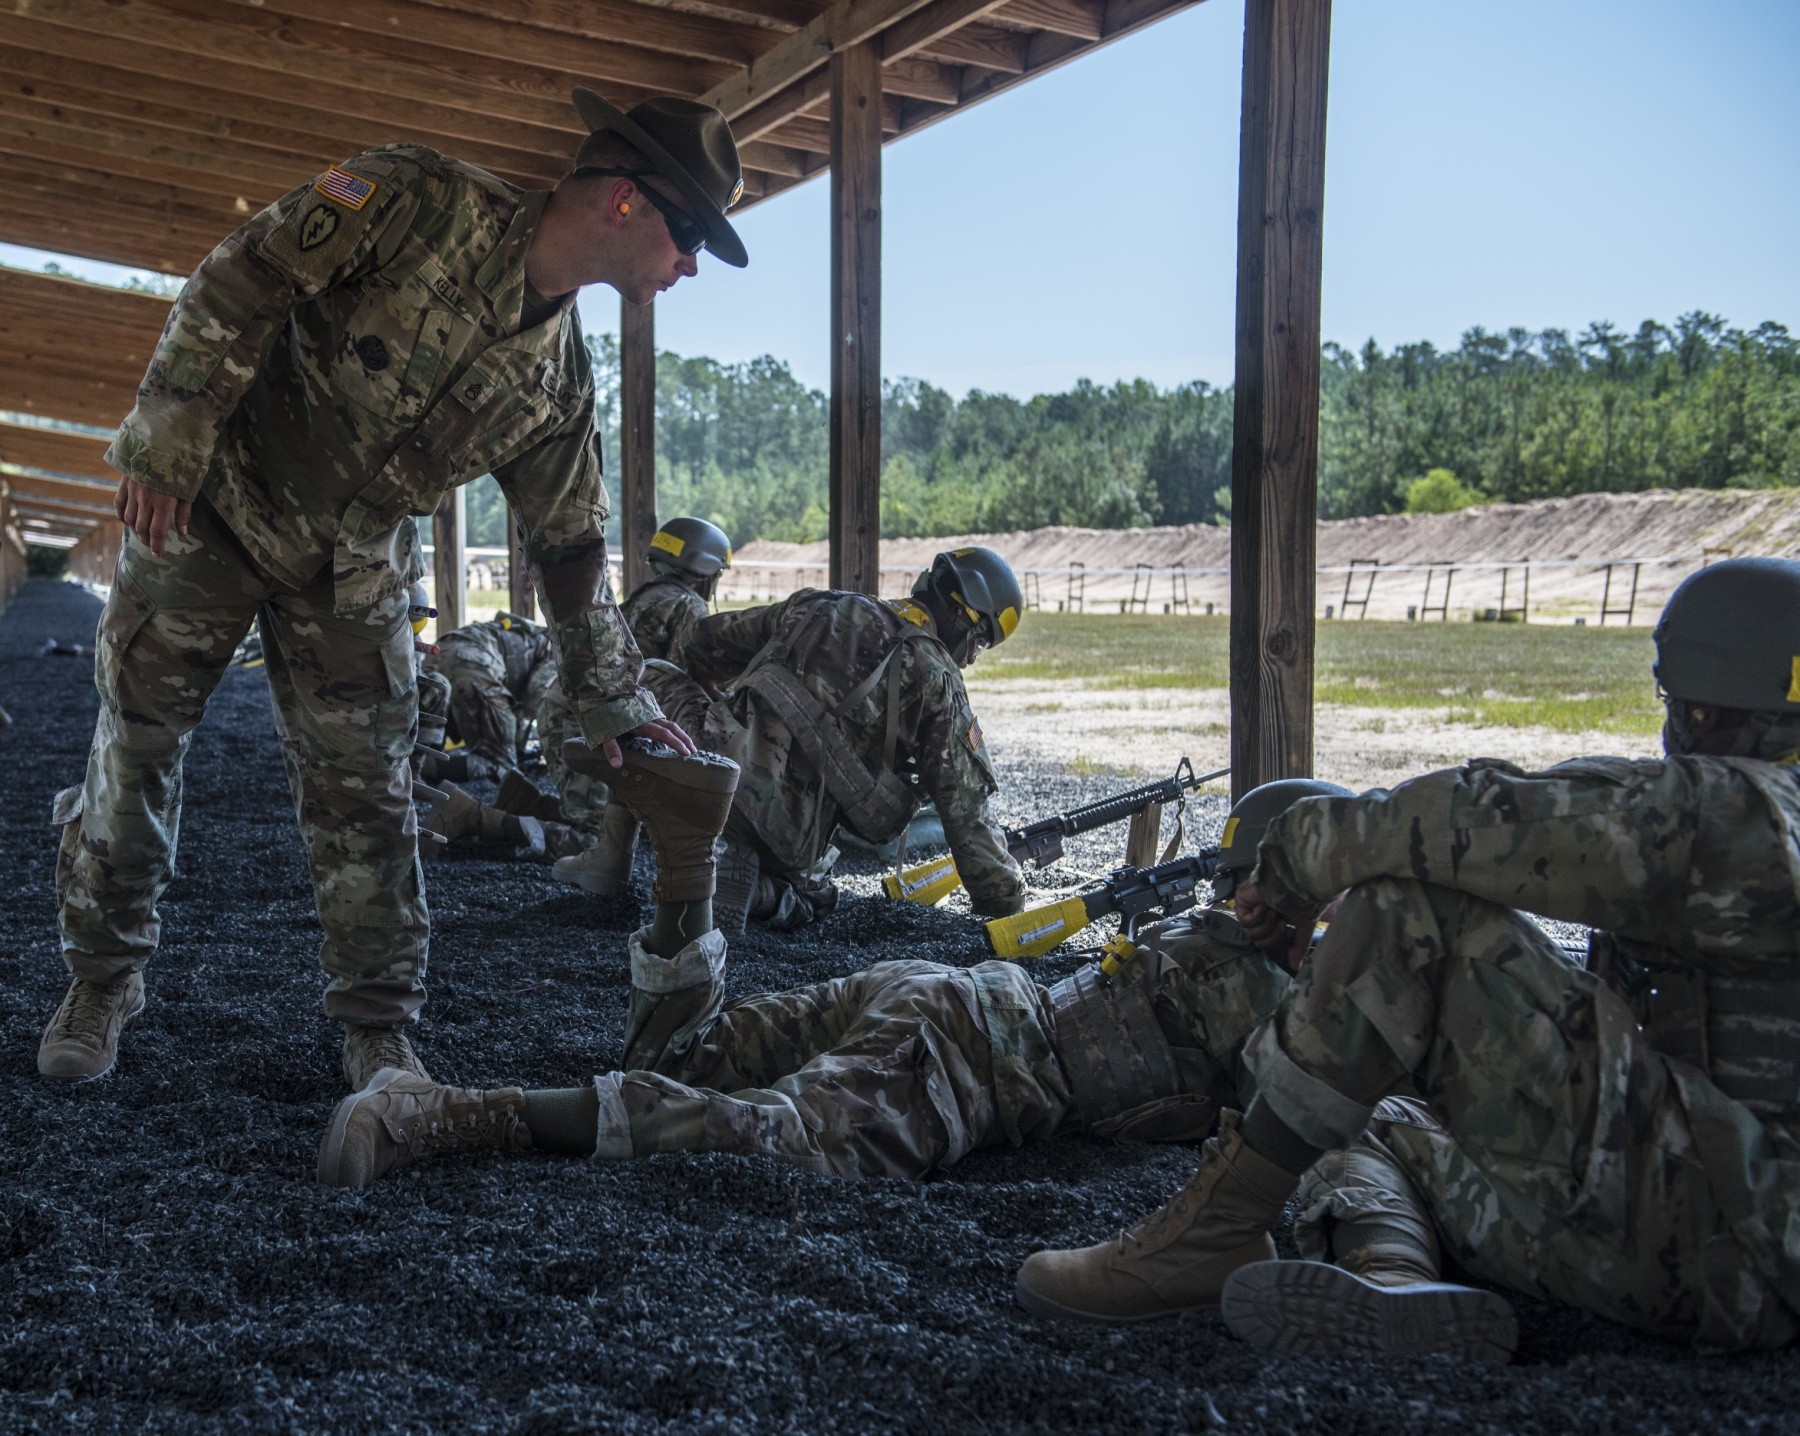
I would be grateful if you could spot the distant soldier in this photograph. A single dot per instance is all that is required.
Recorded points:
(896, 1071)
(686, 557)
(496, 675)
(399, 326)
(840, 709)
(1623, 1137)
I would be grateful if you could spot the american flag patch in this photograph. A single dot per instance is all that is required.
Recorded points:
(351, 191)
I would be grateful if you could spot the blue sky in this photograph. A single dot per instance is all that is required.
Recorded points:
(1534, 162)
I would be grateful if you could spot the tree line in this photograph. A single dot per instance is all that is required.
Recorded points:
(1520, 415)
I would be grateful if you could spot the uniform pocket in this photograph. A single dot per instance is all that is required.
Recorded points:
(128, 609)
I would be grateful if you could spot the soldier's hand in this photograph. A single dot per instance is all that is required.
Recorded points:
(660, 730)
(1269, 930)
(148, 514)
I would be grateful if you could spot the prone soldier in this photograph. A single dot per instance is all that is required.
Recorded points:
(1623, 1137)
(896, 1071)
(399, 326)
(839, 709)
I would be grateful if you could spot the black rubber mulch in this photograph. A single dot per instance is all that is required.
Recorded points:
(166, 1260)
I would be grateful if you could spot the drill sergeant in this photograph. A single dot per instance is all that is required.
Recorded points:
(497, 674)
(686, 557)
(1624, 1138)
(896, 1071)
(840, 709)
(400, 326)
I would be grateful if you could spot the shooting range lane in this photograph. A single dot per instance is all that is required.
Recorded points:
(166, 1258)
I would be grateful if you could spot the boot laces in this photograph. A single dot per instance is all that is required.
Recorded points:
(480, 1126)
(1157, 1223)
(85, 1012)
(389, 1049)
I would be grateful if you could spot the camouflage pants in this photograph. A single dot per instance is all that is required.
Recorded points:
(483, 712)
(345, 706)
(1574, 1161)
(895, 1071)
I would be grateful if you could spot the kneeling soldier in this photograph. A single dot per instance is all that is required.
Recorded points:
(840, 709)
(896, 1071)
(496, 675)
(1624, 1138)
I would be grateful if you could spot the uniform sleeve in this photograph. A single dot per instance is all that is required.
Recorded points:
(1609, 842)
(722, 644)
(226, 319)
(953, 767)
(555, 489)
(683, 620)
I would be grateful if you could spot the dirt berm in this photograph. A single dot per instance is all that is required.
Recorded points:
(1567, 542)
(167, 1262)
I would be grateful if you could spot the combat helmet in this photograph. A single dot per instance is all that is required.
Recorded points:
(689, 546)
(418, 607)
(1250, 819)
(979, 583)
(1730, 636)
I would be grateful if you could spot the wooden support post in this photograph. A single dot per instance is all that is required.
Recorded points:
(855, 523)
(637, 438)
(1275, 447)
(521, 593)
(449, 567)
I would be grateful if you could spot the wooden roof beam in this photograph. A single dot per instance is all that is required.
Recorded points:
(701, 37)
(403, 116)
(60, 451)
(805, 52)
(289, 129)
(96, 497)
(1078, 19)
(487, 38)
(78, 299)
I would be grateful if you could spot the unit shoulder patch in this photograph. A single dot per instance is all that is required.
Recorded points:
(320, 224)
(350, 190)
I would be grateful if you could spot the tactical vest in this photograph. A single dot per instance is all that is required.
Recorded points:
(1111, 1045)
(875, 803)
(1743, 1032)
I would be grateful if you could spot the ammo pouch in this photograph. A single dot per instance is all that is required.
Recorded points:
(1743, 1032)
(1111, 1045)
(876, 804)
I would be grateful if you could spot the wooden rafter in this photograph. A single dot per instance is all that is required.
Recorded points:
(59, 451)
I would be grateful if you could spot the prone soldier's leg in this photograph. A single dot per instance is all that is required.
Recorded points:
(899, 1081)
(1569, 1166)
(346, 707)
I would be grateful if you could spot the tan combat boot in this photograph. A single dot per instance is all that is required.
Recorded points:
(1380, 1299)
(451, 813)
(1175, 1258)
(605, 868)
(401, 1118)
(683, 802)
(82, 1039)
(518, 794)
(369, 1049)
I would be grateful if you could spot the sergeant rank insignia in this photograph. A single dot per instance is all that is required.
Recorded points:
(351, 191)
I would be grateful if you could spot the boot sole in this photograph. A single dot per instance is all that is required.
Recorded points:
(331, 1150)
(718, 776)
(1040, 1305)
(75, 1078)
(1314, 1309)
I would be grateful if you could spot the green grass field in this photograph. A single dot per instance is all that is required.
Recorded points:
(1567, 679)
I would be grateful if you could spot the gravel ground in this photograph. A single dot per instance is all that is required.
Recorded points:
(166, 1261)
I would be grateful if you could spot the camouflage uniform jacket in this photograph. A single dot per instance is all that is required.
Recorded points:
(1690, 866)
(939, 739)
(662, 613)
(355, 351)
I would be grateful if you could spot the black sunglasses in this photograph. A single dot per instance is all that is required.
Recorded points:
(683, 229)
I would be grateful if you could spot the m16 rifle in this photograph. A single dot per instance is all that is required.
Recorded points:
(1041, 843)
(1166, 887)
